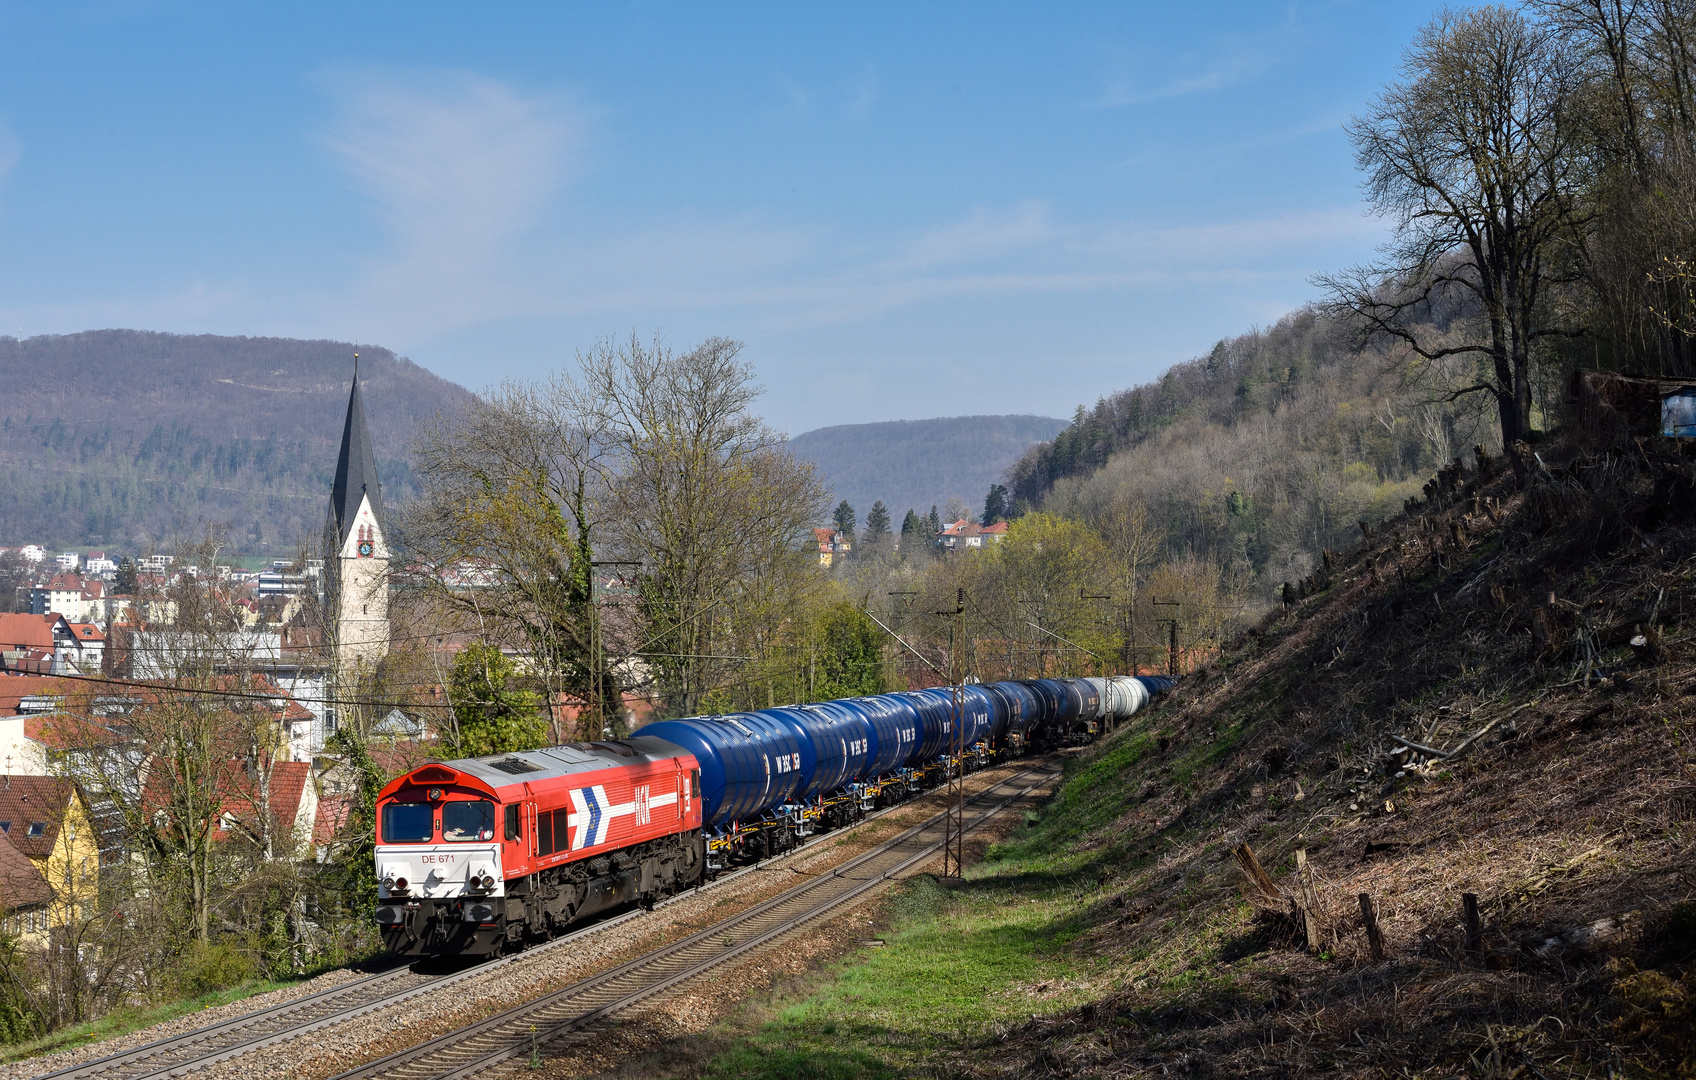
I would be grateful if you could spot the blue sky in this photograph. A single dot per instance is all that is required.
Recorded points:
(904, 210)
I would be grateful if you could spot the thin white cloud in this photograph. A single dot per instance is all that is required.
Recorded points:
(1217, 76)
(459, 168)
(1235, 240)
(986, 233)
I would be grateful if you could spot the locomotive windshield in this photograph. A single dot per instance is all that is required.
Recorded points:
(406, 823)
(468, 820)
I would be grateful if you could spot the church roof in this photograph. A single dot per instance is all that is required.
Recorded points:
(356, 469)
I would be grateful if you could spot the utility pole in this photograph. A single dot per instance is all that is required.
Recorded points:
(1034, 621)
(596, 653)
(1172, 626)
(1100, 664)
(954, 832)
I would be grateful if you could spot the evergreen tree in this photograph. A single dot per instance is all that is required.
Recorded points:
(877, 522)
(844, 519)
(492, 718)
(912, 530)
(935, 522)
(849, 662)
(994, 506)
(125, 585)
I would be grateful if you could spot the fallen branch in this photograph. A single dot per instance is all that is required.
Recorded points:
(1466, 743)
(1420, 748)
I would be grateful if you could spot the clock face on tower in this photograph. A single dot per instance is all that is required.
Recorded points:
(365, 549)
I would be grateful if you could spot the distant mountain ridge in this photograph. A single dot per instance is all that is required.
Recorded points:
(124, 437)
(913, 464)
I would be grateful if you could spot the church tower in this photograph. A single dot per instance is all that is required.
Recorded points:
(356, 553)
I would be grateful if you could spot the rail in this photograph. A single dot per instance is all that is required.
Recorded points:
(521, 1030)
(201, 1047)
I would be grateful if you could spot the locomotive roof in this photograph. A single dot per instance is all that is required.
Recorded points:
(550, 762)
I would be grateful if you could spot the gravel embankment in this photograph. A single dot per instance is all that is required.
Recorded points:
(64, 1059)
(330, 1051)
(528, 977)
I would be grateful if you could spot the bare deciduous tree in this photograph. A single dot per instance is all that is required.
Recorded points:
(705, 495)
(1472, 156)
(513, 491)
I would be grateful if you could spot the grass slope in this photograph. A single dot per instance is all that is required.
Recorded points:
(1112, 937)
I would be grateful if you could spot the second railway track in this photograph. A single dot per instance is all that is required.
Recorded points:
(203, 1047)
(519, 1031)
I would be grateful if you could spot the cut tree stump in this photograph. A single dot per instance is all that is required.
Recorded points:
(1262, 881)
(1309, 901)
(1474, 925)
(1374, 939)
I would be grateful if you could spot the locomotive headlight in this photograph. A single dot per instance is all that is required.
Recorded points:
(488, 881)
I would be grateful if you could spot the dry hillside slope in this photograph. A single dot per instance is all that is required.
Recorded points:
(1544, 621)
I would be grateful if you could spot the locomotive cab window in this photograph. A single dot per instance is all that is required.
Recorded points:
(514, 829)
(468, 820)
(406, 823)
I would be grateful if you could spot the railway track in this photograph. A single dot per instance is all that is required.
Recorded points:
(522, 1030)
(179, 1055)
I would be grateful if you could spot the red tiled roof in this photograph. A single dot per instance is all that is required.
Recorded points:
(995, 530)
(87, 631)
(31, 810)
(27, 631)
(21, 884)
(288, 784)
(14, 688)
(332, 817)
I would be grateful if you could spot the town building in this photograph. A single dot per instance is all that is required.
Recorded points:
(47, 820)
(833, 544)
(966, 533)
(26, 900)
(77, 598)
(47, 645)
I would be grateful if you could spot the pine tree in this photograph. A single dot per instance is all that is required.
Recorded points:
(877, 522)
(994, 506)
(844, 520)
(125, 585)
(912, 527)
(935, 521)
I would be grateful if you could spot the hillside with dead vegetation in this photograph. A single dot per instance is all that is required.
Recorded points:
(1489, 698)
(1479, 720)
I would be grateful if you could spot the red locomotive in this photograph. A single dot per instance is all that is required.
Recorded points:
(475, 855)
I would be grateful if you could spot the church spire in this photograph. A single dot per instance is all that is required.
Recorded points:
(356, 468)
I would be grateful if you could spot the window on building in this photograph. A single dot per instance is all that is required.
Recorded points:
(5, 827)
(37, 828)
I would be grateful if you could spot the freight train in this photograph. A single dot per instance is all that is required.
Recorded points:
(478, 856)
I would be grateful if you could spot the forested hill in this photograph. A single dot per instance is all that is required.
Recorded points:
(123, 437)
(1261, 454)
(913, 464)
